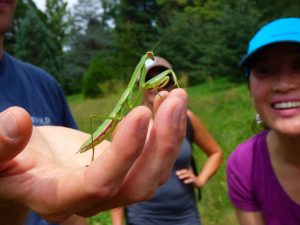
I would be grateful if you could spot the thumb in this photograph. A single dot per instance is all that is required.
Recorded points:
(15, 132)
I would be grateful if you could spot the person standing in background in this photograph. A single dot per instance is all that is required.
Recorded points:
(175, 203)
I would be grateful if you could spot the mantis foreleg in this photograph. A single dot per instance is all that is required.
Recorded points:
(125, 101)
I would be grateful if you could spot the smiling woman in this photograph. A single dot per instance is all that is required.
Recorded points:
(263, 173)
(274, 86)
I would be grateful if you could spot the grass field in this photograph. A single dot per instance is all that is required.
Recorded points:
(225, 109)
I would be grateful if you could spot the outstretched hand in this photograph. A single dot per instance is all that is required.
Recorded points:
(47, 176)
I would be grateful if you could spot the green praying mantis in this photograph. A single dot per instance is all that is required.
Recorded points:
(126, 101)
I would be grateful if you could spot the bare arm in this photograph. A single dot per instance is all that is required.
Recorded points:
(210, 147)
(249, 218)
(117, 215)
(75, 220)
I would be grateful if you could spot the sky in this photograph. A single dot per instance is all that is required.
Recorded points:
(41, 3)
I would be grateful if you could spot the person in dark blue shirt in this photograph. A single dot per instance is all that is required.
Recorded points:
(38, 165)
(22, 84)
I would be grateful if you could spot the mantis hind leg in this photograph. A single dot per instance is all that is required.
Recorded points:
(91, 129)
(92, 117)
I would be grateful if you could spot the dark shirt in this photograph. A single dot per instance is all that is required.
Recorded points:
(27, 86)
(174, 202)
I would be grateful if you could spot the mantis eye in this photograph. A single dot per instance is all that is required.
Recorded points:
(150, 55)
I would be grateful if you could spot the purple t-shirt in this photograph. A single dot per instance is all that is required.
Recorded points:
(253, 185)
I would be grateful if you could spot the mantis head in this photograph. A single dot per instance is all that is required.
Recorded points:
(150, 55)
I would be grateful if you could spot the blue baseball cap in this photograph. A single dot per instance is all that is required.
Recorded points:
(284, 30)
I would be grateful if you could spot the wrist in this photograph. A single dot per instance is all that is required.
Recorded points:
(200, 183)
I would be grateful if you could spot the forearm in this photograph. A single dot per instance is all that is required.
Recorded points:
(117, 216)
(75, 220)
(12, 213)
(210, 167)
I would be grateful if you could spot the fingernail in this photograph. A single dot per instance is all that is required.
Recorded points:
(8, 125)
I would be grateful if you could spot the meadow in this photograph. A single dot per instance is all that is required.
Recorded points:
(224, 107)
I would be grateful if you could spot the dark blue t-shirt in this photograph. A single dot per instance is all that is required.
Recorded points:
(22, 84)
(27, 86)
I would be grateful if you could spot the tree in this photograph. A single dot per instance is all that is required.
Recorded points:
(34, 43)
(57, 21)
(32, 28)
(190, 34)
(89, 36)
(208, 38)
(21, 9)
(271, 10)
(98, 72)
(135, 27)
(238, 22)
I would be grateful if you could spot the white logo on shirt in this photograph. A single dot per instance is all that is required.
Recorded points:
(41, 121)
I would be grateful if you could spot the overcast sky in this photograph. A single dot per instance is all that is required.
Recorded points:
(41, 3)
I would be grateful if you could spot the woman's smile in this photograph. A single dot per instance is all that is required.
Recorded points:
(275, 87)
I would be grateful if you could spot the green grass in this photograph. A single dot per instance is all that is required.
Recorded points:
(224, 108)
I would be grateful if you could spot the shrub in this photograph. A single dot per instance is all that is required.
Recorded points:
(98, 72)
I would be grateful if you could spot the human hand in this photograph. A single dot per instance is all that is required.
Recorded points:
(50, 179)
(188, 177)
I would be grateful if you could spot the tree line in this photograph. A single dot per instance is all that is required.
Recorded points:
(100, 41)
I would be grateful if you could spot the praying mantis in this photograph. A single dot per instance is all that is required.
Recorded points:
(126, 101)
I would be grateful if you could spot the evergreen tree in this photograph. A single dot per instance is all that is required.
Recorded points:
(90, 35)
(57, 21)
(35, 43)
(136, 29)
(21, 9)
(271, 10)
(98, 72)
(238, 22)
